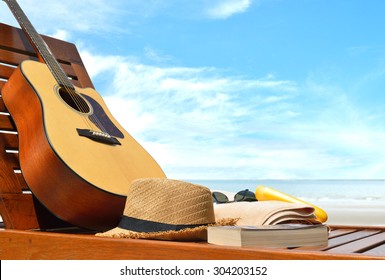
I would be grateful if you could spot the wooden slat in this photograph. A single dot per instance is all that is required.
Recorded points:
(5, 123)
(13, 39)
(22, 182)
(12, 160)
(9, 159)
(13, 58)
(17, 211)
(9, 183)
(5, 71)
(8, 180)
(24, 212)
(15, 48)
(83, 78)
(377, 251)
(69, 71)
(63, 51)
(341, 239)
(76, 83)
(2, 106)
(360, 245)
(38, 245)
(9, 140)
(339, 232)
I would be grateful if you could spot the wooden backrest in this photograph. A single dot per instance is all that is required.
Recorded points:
(18, 207)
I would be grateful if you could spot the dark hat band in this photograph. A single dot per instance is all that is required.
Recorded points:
(140, 225)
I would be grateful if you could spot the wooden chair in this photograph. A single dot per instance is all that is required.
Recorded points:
(345, 243)
(18, 207)
(23, 214)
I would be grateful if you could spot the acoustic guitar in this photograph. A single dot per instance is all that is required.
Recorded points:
(75, 157)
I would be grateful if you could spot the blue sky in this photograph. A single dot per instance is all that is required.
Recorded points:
(236, 89)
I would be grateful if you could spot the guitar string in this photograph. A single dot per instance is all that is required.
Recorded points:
(30, 30)
(78, 100)
(58, 72)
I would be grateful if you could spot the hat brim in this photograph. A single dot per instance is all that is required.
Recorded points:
(188, 234)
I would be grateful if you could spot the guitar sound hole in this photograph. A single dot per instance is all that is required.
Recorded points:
(74, 100)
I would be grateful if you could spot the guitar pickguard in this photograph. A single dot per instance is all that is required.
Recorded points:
(103, 123)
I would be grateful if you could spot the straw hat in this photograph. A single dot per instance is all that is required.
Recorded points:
(165, 209)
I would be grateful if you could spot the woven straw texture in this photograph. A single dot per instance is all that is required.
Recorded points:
(169, 201)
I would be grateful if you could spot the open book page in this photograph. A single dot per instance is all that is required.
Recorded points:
(287, 216)
(264, 212)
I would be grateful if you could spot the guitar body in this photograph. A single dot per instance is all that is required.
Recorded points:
(79, 179)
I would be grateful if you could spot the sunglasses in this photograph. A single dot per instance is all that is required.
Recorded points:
(244, 195)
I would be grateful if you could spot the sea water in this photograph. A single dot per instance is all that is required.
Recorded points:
(349, 202)
(338, 191)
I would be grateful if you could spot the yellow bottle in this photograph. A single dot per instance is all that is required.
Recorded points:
(266, 193)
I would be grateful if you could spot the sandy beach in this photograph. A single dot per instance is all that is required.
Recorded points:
(362, 214)
(357, 213)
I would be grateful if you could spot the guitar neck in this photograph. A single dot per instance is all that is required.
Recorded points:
(39, 44)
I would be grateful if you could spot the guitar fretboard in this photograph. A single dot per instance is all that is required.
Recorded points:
(39, 45)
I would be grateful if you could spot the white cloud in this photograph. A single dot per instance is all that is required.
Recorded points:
(203, 123)
(226, 8)
(61, 34)
(93, 16)
(71, 15)
(207, 120)
(157, 56)
(188, 118)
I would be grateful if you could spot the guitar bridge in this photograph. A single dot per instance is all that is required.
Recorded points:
(98, 136)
